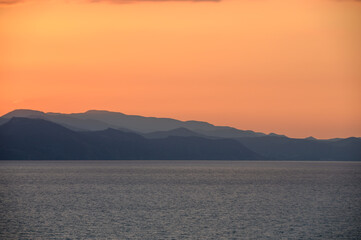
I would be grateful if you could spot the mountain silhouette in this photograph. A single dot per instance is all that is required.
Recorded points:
(99, 120)
(39, 139)
(110, 135)
(77, 124)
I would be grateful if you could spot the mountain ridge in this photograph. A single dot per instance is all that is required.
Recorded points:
(39, 139)
(101, 119)
(107, 124)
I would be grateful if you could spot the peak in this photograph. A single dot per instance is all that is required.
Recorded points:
(96, 111)
(310, 138)
(23, 121)
(100, 112)
(198, 122)
(23, 113)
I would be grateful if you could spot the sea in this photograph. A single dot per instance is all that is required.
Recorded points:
(180, 200)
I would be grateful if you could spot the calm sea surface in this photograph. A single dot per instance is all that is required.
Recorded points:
(179, 200)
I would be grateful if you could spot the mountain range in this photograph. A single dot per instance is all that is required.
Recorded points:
(100, 120)
(30, 134)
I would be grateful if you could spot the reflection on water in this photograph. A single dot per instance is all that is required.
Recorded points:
(179, 200)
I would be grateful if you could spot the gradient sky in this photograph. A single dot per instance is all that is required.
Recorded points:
(292, 67)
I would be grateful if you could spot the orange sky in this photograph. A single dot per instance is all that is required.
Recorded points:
(292, 67)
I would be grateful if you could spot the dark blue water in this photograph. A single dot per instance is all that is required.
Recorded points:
(180, 200)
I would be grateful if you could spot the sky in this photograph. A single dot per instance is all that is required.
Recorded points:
(286, 66)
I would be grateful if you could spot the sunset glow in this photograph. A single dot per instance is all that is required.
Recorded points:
(290, 67)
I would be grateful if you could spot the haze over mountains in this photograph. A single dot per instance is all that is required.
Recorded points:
(29, 134)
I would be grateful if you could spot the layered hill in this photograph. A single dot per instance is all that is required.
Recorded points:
(111, 135)
(99, 120)
(39, 139)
